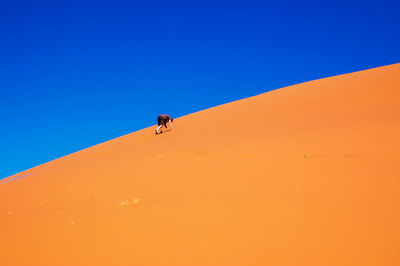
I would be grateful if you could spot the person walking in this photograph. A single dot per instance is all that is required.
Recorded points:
(162, 121)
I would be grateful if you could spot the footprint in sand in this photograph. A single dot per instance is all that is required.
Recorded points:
(314, 156)
(127, 203)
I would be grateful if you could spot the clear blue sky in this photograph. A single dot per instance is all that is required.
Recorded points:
(77, 73)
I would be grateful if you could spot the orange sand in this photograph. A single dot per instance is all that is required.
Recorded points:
(306, 175)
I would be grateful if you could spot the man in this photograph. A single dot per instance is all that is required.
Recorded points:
(162, 121)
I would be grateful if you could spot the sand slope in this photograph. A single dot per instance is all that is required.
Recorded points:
(305, 175)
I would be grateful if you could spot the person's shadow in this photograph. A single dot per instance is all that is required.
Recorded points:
(163, 132)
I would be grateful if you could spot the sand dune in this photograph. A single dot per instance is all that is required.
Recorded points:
(304, 175)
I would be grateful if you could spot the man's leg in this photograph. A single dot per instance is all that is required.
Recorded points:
(160, 123)
(158, 128)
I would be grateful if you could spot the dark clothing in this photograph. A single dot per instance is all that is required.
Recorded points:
(163, 120)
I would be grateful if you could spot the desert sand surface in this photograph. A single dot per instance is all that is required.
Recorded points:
(304, 175)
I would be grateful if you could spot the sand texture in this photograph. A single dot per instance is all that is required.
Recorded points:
(304, 175)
